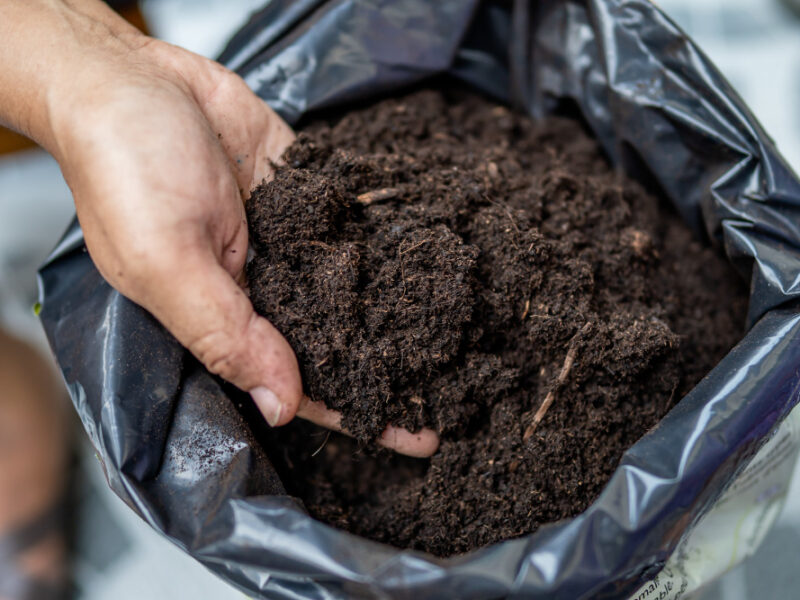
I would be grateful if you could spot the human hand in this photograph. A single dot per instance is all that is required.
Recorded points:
(160, 147)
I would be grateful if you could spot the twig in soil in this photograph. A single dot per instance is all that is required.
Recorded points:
(321, 245)
(510, 216)
(672, 394)
(325, 441)
(414, 247)
(368, 198)
(569, 360)
(527, 309)
(402, 270)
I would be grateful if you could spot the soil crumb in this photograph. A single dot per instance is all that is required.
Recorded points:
(444, 262)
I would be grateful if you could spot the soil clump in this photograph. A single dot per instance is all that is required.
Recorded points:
(446, 263)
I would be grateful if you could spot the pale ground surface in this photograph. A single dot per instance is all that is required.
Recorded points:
(754, 42)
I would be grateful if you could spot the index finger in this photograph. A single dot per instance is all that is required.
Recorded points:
(421, 444)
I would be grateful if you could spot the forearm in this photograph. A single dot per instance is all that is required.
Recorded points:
(49, 47)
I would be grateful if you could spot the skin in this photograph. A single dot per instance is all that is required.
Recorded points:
(160, 147)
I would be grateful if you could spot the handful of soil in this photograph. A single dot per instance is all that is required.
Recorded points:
(447, 263)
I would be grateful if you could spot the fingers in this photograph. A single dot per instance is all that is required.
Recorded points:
(201, 304)
(422, 444)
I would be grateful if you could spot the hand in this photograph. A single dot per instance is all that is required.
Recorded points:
(160, 147)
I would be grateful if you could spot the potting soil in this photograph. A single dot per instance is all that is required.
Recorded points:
(439, 261)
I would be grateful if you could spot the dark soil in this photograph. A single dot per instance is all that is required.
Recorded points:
(450, 264)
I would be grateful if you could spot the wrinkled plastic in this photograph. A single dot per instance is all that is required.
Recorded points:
(660, 110)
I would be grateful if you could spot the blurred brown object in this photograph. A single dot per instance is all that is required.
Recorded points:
(34, 471)
(33, 433)
(14, 142)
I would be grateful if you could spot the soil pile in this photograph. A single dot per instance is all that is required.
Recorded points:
(448, 263)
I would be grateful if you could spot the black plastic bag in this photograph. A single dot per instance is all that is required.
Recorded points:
(659, 109)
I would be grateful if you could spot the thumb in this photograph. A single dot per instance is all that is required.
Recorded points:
(210, 314)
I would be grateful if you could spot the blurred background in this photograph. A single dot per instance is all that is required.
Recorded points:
(756, 45)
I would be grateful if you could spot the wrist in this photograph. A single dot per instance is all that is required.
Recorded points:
(85, 78)
(51, 50)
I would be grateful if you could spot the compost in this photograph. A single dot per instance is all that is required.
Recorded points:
(439, 261)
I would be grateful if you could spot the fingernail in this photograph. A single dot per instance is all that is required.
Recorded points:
(268, 404)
